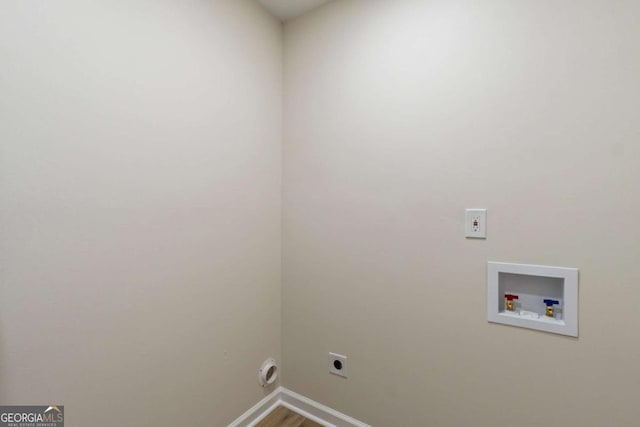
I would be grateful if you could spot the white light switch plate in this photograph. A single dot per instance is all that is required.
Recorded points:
(475, 223)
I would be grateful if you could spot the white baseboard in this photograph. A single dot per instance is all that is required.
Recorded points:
(316, 411)
(259, 410)
(298, 403)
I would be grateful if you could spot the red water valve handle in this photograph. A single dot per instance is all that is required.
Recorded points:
(510, 297)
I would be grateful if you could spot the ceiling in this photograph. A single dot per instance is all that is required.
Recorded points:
(289, 9)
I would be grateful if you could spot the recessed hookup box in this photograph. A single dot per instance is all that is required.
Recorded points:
(533, 296)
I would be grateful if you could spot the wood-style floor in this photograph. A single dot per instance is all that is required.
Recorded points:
(282, 417)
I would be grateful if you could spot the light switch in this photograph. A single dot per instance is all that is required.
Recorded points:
(476, 223)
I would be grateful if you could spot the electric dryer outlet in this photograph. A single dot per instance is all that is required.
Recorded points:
(338, 364)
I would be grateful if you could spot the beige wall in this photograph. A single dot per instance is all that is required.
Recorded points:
(140, 182)
(140, 207)
(401, 114)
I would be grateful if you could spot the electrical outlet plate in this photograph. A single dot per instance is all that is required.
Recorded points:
(338, 364)
(475, 223)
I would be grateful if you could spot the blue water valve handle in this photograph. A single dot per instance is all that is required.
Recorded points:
(550, 303)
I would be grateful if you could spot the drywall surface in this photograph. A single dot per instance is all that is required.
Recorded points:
(140, 183)
(287, 9)
(401, 114)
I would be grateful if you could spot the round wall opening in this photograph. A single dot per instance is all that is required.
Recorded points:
(268, 372)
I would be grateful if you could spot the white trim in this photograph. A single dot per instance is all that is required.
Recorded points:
(307, 415)
(329, 417)
(259, 410)
(298, 403)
